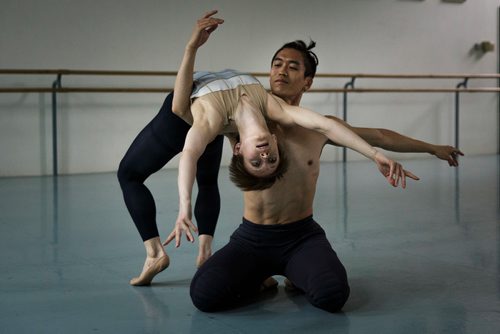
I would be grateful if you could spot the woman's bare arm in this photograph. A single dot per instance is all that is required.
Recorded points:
(184, 79)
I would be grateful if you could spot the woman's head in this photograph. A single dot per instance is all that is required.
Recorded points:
(257, 164)
(260, 154)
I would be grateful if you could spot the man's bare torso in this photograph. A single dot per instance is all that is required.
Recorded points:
(290, 198)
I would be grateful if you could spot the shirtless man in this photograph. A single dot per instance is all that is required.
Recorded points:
(278, 235)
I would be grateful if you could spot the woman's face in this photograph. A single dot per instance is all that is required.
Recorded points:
(260, 155)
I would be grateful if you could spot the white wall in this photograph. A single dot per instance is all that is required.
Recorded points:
(363, 36)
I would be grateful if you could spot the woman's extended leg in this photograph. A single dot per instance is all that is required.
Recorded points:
(156, 144)
(148, 154)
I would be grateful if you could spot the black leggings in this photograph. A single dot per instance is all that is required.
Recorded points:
(161, 140)
(299, 251)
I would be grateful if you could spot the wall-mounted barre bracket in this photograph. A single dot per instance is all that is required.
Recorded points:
(462, 84)
(55, 86)
(348, 85)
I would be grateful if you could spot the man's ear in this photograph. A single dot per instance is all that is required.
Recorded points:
(309, 82)
(236, 149)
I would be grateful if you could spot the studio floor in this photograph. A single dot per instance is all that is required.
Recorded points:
(421, 260)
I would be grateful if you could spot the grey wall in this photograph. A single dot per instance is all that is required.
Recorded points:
(362, 36)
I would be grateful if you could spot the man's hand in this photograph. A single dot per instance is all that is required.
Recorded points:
(448, 153)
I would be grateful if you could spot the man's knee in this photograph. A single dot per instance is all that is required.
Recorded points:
(202, 303)
(202, 297)
(209, 291)
(329, 294)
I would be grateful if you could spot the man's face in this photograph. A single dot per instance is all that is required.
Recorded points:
(287, 78)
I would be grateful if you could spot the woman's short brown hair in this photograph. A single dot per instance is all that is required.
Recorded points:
(248, 182)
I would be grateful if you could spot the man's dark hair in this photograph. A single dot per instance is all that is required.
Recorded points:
(310, 59)
(248, 182)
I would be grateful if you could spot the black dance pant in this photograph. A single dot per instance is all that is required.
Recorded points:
(161, 140)
(299, 251)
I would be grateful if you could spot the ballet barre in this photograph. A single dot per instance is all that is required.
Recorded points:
(57, 88)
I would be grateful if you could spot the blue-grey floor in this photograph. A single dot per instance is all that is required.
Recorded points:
(421, 260)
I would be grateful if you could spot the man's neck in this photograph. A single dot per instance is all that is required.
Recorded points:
(291, 100)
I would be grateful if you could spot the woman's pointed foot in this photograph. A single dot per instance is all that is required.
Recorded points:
(150, 270)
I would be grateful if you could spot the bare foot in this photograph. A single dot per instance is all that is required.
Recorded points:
(289, 286)
(152, 267)
(268, 284)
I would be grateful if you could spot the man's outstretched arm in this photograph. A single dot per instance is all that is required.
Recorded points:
(396, 142)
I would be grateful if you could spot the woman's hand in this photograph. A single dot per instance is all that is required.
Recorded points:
(392, 171)
(182, 225)
(203, 28)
